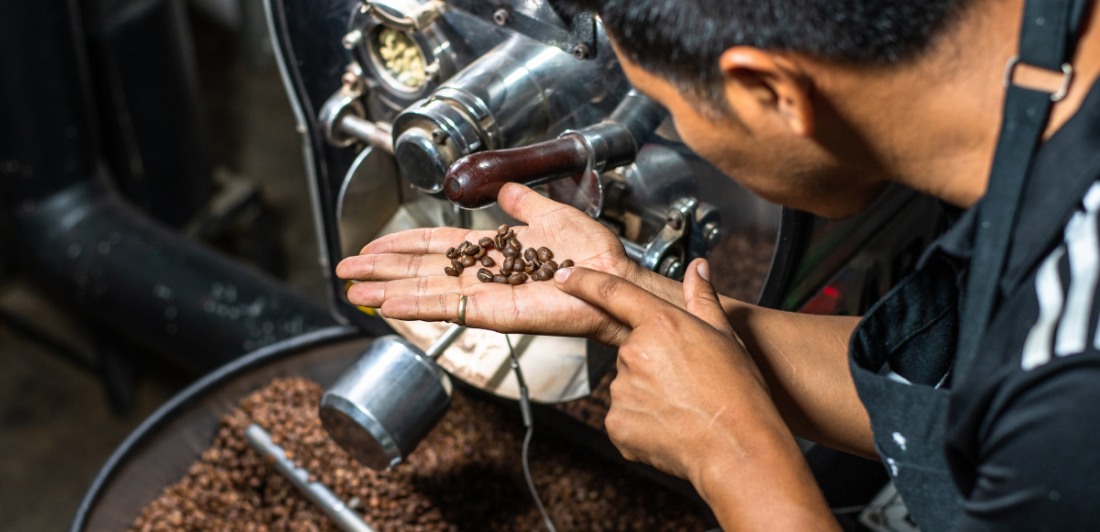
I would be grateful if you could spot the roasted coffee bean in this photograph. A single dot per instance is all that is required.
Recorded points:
(503, 229)
(514, 242)
(543, 275)
(231, 488)
(567, 263)
(452, 253)
(457, 265)
(467, 261)
(517, 278)
(550, 265)
(506, 266)
(472, 249)
(530, 254)
(545, 254)
(488, 261)
(498, 242)
(510, 234)
(510, 251)
(500, 279)
(485, 242)
(450, 271)
(519, 265)
(485, 275)
(530, 269)
(482, 253)
(462, 247)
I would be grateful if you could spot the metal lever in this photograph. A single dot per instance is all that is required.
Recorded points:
(344, 517)
(443, 342)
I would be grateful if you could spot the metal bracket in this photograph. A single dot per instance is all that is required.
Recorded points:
(415, 20)
(578, 36)
(691, 231)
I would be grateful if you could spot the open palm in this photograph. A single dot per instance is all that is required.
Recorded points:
(402, 273)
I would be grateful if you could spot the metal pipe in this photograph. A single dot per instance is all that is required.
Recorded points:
(377, 134)
(443, 342)
(344, 517)
(75, 234)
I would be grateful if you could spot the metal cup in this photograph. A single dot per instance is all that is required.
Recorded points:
(382, 406)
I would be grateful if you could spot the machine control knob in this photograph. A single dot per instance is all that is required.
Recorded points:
(424, 160)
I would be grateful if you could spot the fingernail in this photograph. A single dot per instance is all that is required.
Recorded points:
(562, 274)
(704, 270)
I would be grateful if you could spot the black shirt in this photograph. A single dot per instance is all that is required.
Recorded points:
(1023, 426)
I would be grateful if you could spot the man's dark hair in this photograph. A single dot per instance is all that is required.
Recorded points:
(682, 40)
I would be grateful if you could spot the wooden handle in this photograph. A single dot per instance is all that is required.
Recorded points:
(475, 180)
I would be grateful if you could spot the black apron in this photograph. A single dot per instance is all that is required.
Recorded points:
(926, 331)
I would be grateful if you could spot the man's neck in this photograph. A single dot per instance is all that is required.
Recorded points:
(933, 123)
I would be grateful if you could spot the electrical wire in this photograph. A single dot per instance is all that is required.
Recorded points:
(528, 422)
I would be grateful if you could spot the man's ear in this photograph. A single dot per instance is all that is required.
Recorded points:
(773, 84)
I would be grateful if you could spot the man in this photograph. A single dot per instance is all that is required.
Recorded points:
(817, 104)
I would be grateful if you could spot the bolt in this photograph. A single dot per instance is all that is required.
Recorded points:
(350, 80)
(672, 267)
(439, 136)
(712, 234)
(352, 39)
(675, 220)
(502, 17)
(581, 51)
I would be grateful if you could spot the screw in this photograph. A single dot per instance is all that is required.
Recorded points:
(350, 80)
(439, 136)
(580, 51)
(711, 234)
(502, 17)
(672, 268)
(675, 220)
(352, 39)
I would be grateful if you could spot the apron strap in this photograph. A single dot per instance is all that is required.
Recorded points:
(1048, 38)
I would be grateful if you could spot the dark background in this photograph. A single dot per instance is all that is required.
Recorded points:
(56, 425)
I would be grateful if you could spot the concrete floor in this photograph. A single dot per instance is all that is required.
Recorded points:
(56, 426)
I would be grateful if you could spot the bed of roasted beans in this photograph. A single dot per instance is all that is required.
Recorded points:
(518, 266)
(465, 476)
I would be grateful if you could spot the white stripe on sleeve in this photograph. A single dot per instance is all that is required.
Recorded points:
(1048, 289)
(1083, 248)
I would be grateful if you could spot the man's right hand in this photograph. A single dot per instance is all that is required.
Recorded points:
(402, 274)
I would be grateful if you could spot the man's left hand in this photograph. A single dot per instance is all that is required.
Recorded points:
(690, 401)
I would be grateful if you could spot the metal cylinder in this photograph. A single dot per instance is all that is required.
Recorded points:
(512, 96)
(382, 406)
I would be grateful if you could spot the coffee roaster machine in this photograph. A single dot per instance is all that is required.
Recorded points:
(413, 113)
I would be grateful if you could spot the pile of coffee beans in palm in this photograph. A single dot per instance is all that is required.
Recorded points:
(518, 266)
(465, 476)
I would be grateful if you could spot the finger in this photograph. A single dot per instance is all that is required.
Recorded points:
(620, 298)
(441, 307)
(526, 205)
(481, 312)
(374, 293)
(388, 266)
(700, 298)
(426, 240)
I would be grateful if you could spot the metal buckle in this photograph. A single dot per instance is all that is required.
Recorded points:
(1063, 89)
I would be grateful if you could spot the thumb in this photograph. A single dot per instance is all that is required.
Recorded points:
(700, 298)
(524, 204)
